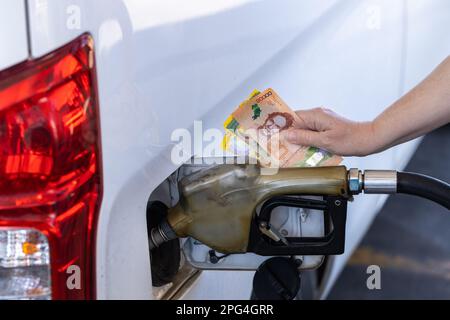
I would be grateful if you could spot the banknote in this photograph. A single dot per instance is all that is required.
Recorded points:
(261, 120)
(235, 142)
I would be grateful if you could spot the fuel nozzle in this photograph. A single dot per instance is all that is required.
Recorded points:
(161, 234)
(218, 205)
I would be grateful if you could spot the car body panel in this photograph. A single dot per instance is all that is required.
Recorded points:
(164, 64)
(13, 33)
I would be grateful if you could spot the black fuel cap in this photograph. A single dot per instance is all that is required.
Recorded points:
(277, 279)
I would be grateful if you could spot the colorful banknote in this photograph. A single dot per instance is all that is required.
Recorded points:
(260, 122)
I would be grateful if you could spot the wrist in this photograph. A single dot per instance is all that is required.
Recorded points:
(369, 138)
(378, 140)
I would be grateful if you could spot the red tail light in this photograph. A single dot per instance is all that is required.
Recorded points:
(50, 173)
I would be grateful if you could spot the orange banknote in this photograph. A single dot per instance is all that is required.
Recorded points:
(261, 120)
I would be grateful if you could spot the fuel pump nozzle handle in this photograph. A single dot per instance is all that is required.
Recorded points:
(218, 205)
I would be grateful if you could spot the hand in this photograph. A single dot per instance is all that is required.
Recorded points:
(322, 128)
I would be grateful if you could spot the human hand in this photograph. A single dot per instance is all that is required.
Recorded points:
(322, 128)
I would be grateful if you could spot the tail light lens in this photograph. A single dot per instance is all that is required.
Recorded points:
(24, 265)
(50, 175)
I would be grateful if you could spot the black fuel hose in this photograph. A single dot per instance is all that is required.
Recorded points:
(424, 187)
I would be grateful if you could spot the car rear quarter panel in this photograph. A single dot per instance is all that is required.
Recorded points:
(13, 33)
(162, 64)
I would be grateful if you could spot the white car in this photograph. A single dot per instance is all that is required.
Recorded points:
(91, 91)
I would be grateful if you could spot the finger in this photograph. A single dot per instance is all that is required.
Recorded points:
(305, 137)
(316, 119)
(306, 119)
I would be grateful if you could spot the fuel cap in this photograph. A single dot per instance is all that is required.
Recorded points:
(277, 279)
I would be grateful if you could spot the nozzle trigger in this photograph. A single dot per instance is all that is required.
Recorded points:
(272, 233)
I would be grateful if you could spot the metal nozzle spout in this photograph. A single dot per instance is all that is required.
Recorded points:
(161, 234)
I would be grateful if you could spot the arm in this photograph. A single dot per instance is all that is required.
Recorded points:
(422, 110)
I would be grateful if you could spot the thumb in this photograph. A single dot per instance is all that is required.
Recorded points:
(304, 137)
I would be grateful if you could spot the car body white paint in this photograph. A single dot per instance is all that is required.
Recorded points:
(164, 64)
(13, 33)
